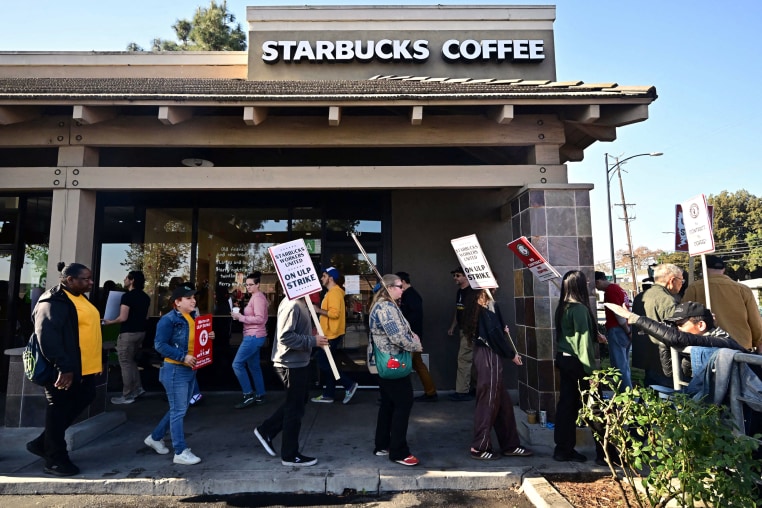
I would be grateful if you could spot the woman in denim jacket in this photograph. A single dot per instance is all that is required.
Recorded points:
(175, 336)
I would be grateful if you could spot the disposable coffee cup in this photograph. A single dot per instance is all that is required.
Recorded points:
(236, 310)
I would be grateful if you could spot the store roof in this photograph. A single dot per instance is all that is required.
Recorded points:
(379, 88)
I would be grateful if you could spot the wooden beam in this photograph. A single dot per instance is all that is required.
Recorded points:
(18, 114)
(571, 153)
(624, 115)
(173, 115)
(585, 114)
(334, 116)
(502, 114)
(283, 131)
(254, 115)
(544, 154)
(416, 115)
(285, 178)
(599, 132)
(90, 115)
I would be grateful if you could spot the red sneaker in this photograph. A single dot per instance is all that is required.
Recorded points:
(410, 460)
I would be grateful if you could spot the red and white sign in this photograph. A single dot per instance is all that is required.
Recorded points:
(202, 345)
(681, 239)
(533, 259)
(698, 226)
(295, 269)
(473, 262)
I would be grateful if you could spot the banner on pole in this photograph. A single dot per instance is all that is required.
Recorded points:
(473, 262)
(202, 346)
(681, 239)
(295, 269)
(532, 259)
(698, 226)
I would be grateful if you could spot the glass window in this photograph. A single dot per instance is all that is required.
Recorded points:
(232, 243)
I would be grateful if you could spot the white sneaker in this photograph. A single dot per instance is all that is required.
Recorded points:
(158, 446)
(186, 458)
(122, 400)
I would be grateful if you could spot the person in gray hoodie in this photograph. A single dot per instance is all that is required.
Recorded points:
(291, 358)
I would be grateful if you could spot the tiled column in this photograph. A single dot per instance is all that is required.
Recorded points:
(556, 219)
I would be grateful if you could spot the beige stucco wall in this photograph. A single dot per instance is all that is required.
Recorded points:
(436, 24)
(423, 223)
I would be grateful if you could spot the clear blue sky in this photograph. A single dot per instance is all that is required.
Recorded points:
(703, 57)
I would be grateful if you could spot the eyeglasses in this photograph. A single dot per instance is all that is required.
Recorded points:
(398, 286)
(681, 280)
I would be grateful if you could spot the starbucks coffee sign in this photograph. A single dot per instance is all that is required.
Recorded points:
(396, 50)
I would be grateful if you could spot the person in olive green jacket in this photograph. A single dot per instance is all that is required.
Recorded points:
(576, 336)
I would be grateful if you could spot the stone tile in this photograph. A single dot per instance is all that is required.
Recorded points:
(546, 341)
(530, 341)
(12, 410)
(514, 207)
(33, 412)
(528, 282)
(563, 251)
(546, 375)
(516, 223)
(538, 218)
(529, 318)
(518, 281)
(542, 311)
(526, 223)
(582, 198)
(586, 256)
(536, 198)
(520, 319)
(561, 221)
(523, 202)
(531, 367)
(584, 226)
(548, 401)
(559, 198)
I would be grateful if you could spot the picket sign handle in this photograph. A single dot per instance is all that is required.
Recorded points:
(326, 348)
(706, 282)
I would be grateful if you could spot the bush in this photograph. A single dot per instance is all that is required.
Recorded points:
(681, 449)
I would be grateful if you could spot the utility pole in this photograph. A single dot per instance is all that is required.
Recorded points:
(627, 221)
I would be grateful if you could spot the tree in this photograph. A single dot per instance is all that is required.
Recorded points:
(738, 232)
(211, 29)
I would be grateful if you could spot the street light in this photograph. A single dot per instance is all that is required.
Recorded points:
(609, 170)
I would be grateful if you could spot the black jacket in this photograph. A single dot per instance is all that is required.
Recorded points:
(671, 336)
(57, 328)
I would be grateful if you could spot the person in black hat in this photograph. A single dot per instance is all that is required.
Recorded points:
(733, 303)
(466, 350)
(175, 337)
(691, 324)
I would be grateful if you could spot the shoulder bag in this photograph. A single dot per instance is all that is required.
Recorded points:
(37, 368)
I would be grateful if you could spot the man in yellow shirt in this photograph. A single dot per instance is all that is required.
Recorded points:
(333, 320)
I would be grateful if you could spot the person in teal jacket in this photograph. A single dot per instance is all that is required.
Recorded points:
(576, 336)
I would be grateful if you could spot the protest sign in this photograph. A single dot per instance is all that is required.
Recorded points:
(202, 345)
(295, 269)
(698, 226)
(299, 279)
(681, 239)
(113, 305)
(532, 259)
(474, 264)
(352, 284)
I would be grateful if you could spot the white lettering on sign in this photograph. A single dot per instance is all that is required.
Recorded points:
(395, 50)
(345, 51)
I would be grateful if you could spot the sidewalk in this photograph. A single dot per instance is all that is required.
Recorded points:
(233, 461)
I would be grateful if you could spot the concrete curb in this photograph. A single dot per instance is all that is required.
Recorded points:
(542, 494)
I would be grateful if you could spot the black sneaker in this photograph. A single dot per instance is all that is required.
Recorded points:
(266, 442)
(427, 398)
(300, 461)
(248, 400)
(62, 469)
(460, 397)
(574, 456)
(36, 448)
(259, 400)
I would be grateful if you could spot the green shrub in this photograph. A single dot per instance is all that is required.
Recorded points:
(681, 449)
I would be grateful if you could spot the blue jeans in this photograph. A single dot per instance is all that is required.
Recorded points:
(329, 391)
(178, 381)
(248, 357)
(619, 353)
